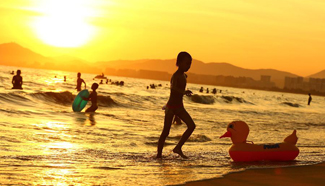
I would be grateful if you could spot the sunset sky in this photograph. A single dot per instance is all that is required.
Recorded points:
(286, 35)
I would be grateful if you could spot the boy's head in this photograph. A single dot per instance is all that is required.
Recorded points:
(94, 86)
(18, 72)
(79, 74)
(184, 61)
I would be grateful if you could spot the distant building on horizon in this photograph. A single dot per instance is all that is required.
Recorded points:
(220, 80)
(265, 78)
(298, 83)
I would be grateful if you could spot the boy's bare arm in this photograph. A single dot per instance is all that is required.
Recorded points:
(87, 99)
(84, 83)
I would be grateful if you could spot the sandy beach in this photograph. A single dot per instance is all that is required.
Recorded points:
(310, 175)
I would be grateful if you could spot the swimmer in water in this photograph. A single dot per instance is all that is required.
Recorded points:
(17, 81)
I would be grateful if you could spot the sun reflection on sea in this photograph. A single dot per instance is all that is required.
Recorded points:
(60, 145)
(55, 137)
(53, 81)
(57, 176)
(59, 168)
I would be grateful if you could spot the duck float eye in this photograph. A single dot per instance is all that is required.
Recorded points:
(243, 151)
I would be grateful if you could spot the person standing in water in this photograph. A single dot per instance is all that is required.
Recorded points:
(17, 81)
(79, 82)
(93, 98)
(309, 99)
(175, 105)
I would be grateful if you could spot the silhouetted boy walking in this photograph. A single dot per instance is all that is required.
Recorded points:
(175, 105)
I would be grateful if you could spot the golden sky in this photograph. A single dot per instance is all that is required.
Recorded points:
(286, 35)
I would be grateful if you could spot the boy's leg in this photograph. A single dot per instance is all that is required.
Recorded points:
(92, 109)
(169, 114)
(183, 115)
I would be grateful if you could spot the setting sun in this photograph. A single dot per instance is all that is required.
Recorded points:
(64, 23)
(254, 35)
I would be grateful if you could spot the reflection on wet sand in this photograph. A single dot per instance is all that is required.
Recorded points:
(91, 119)
(80, 118)
(86, 118)
(175, 172)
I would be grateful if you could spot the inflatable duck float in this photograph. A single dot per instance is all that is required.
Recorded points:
(241, 150)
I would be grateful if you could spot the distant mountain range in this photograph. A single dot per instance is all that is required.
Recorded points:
(199, 67)
(320, 74)
(12, 54)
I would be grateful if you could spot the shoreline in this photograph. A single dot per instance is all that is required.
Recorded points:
(305, 175)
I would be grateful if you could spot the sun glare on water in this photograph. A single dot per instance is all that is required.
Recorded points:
(64, 23)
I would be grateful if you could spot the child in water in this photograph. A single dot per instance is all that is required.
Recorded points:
(175, 105)
(309, 99)
(17, 81)
(93, 98)
(79, 81)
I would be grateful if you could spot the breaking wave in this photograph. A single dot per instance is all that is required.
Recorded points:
(203, 99)
(291, 104)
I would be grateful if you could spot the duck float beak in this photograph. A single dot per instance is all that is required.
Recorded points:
(227, 134)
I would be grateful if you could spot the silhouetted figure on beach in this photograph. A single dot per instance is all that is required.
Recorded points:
(207, 90)
(17, 81)
(79, 82)
(214, 91)
(106, 81)
(201, 89)
(65, 78)
(175, 105)
(93, 98)
(101, 82)
(309, 99)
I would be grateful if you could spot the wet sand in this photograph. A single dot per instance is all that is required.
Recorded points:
(310, 175)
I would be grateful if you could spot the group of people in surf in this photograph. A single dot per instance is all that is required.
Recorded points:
(173, 109)
(214, 91)
(153, 86)
(102, 77)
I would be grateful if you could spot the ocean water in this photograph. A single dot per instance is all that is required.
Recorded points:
(43, 142)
